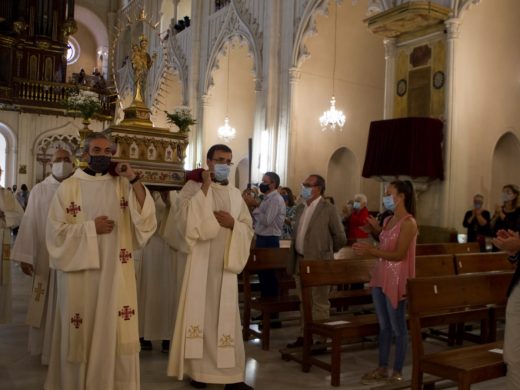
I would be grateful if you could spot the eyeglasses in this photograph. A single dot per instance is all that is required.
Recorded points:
(223, 161)
(308, 185)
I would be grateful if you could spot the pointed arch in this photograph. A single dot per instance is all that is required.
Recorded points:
(234, 28)
(506, 157)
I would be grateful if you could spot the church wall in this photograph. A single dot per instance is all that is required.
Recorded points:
(88, 48)
(241, 107)
(487, 94)
(28, 128)
(359, 90)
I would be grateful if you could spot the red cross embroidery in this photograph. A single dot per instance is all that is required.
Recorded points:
(126, 313)
(123, 203)
(73, 209)
(76, 320)
(124, 256)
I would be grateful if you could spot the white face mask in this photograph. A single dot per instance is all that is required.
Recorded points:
(61, 169)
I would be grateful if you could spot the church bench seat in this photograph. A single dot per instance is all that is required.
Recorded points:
(267, 259)
(443, 300)
(338, 329)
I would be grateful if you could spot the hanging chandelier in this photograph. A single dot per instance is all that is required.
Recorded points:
(226, 132)
(333, 118)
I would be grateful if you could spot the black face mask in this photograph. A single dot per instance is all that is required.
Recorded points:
(99, 164)
(263, 188)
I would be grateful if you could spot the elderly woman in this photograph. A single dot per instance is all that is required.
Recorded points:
(358, 218)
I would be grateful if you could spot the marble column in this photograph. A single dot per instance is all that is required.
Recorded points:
(390, 52)
(450, 129)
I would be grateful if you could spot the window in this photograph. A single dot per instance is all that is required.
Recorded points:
(72, 51)
(3, 150)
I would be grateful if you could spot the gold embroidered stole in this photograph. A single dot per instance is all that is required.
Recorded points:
(126, 310)
(196, 297)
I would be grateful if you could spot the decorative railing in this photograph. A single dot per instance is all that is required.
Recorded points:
(45, 96)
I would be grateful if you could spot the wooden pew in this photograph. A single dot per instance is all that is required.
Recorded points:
(482, 262)
(434, 265)
(266, 259)
(338, 328)
(446, 248)
(442, 300)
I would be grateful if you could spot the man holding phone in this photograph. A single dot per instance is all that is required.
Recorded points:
(95, 222)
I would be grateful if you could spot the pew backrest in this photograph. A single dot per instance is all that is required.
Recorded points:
(482, 262)
(446, 248)
(434, 265)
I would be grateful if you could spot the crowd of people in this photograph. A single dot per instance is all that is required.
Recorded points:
(116, 267)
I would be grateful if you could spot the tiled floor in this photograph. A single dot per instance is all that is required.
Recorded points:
(265, 369)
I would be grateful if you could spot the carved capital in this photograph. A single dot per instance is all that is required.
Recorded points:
(453, 28)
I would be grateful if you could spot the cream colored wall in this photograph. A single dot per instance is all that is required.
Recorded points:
(359, 93)
(241, 103)
(29, 128)
(88, 52)
(487, 88)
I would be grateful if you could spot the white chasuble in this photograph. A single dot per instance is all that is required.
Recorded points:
(13, 213)
(95, 340)
(30, 248)
(207, 342)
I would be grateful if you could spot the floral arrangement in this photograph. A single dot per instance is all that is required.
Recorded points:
(86, 102)
(182, 118)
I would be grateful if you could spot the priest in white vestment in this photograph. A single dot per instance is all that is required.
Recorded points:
(211, 227)
(157, 282)
(10, 216)
(95, 222)
(30, 250)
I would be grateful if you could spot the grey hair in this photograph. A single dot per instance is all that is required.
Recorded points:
(361, 197)
(478, 195)
(92, 136)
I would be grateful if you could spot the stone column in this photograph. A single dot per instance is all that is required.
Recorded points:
(390, 52)
(450, 130)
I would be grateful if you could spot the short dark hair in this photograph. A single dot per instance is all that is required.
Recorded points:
(320, 182)
(92, 136)
(214, 148)
(274, 178)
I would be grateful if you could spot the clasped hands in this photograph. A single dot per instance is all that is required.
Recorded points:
(508, 241)
(224, 219)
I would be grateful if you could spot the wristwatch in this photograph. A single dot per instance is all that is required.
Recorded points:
(135, 179)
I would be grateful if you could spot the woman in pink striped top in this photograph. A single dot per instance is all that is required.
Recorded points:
(396, 252)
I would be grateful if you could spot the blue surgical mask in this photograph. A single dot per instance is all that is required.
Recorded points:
(306, 193)
(221, 172)
(356, 205)
(285, 197)
(388, 202)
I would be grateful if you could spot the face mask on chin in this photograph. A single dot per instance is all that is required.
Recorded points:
(99, 164)
(61, 169)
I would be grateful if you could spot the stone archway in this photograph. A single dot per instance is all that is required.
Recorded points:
(506, 160)
(342, 176)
